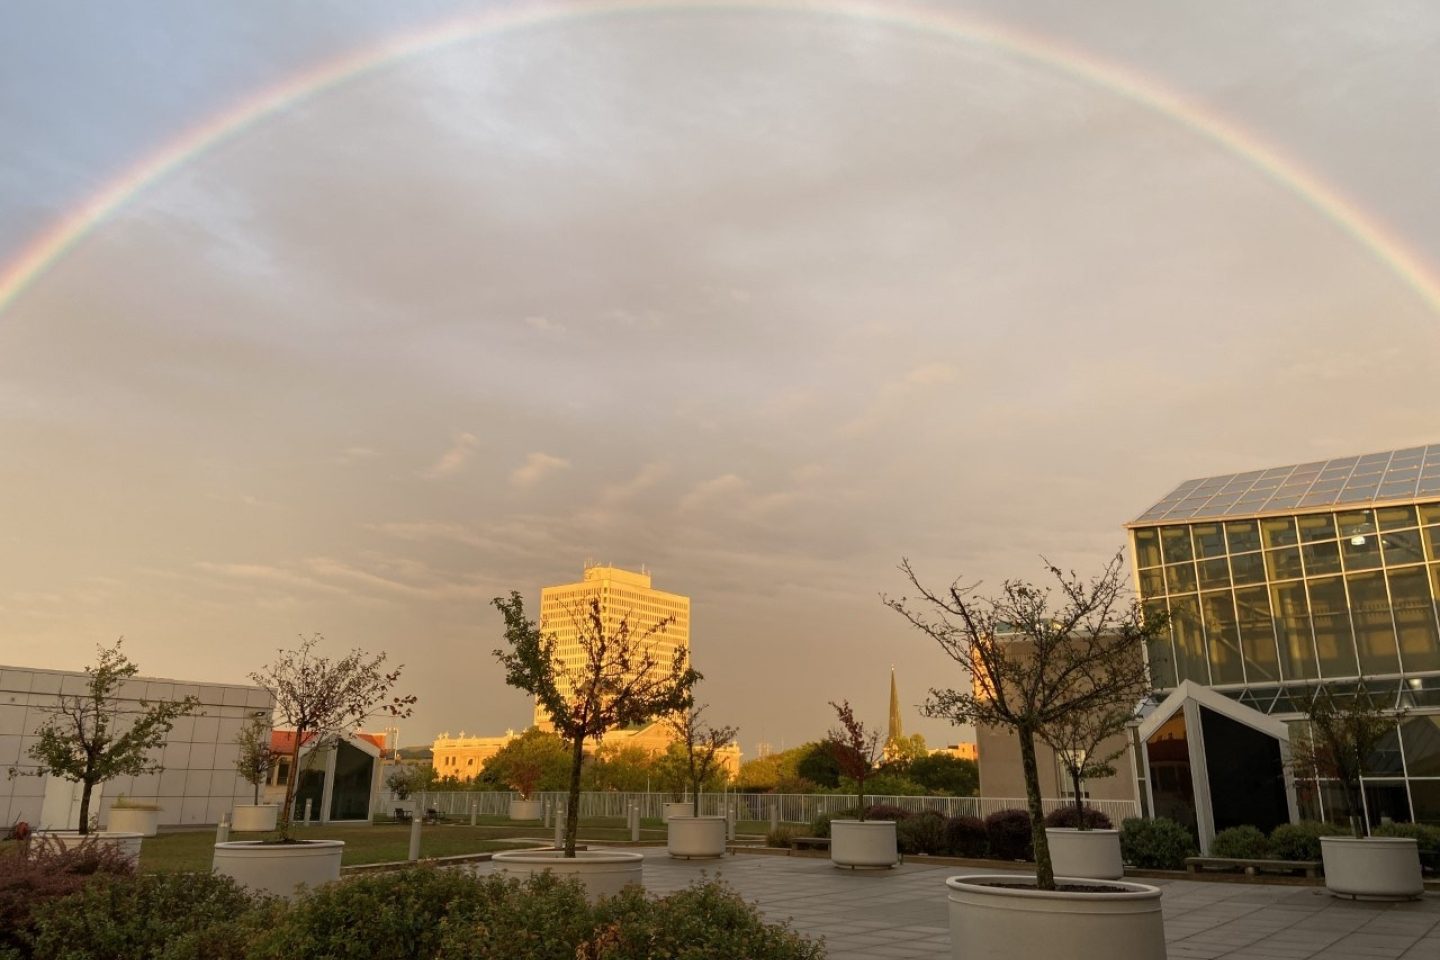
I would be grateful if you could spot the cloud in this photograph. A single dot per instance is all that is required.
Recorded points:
(892, 397)
(723, 487)
(454, 459)
(647, 477)
(931, 373)
(355, 455)
(545, 325)
(537, 467)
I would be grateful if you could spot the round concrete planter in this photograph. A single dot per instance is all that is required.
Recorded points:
(526, 810)
(142, 820)
(681, 808)
(1094, 854)
(279, 868)
(694, 837)
(603, 872)
(127, 842)
(1372, 868)
(254, 818)
(1002, 923)
(869, 843)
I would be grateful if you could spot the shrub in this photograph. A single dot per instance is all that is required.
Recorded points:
(1427, 836)
(1157, 844)
(139, 917)
(922, 833)
(36, 873)
(1299, 841)
(965, 836)
(1241, 843)
(425, 912)
(783, 834)
(881, 811)
(707, 920)
(1007, 834)
(820, 826)
(1067, 817)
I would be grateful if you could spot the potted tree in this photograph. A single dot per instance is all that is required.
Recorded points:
(857, 752)
(690, 835)
(321, 700)
(1084, 745)
(254, 763)
(95, 736)
(618, 680)
(402, 781)
(1340, 735)
(523, 764)
(1033, 656)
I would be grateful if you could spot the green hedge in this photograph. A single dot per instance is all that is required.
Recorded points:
(415, 914)
(1157, 844)
(1241, 843)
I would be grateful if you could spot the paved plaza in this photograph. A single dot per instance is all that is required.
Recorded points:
(901, 913)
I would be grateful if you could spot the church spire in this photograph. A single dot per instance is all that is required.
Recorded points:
(895, 733)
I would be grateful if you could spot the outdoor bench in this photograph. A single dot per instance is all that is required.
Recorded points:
(809, 843)
(1308, 868)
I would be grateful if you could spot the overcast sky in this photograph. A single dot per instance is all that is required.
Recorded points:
(764, 300)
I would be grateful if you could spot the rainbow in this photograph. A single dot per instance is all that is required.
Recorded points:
(1375, 236)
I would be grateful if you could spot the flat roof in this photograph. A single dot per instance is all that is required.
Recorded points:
(1394, 476)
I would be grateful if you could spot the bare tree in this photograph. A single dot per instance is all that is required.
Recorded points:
(95, 736)
(1036, 657)
(619, 680)
(256, 758)
(323, 699)
(1340, 737)
(856, 751)
(701, 745)
(1078, 739)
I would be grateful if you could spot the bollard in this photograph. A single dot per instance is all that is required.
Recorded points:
(730, 822)
(414, 838)
(222, 830)
(548, 807)
(306, 821)
(634, 823)
(774, 816)
(559, 827)
(472, 812)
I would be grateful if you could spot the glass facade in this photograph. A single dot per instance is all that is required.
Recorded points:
(1338, 587)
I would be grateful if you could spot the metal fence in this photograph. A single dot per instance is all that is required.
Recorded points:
(788, 807)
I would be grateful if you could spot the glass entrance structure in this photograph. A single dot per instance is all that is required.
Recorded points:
(1281, 579)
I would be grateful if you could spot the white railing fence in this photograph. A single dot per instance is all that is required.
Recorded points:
(791, 807)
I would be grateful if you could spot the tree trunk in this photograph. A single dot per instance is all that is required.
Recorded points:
(1079, 804)
(572, 804)
(1044, 872)
(85, 787)
(292, 781)
(696, 785)
(860, 795)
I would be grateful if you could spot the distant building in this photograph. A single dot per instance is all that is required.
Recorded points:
(198, 785)
(463, 756)
(621, 594)
(962, 751)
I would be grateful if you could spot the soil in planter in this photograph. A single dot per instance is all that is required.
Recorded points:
(1062, 887)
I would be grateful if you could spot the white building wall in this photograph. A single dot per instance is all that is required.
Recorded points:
(199, 782)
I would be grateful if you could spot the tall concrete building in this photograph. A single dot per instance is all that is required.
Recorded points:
(622, 594)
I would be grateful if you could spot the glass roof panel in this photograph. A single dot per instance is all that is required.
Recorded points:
(1389, 475)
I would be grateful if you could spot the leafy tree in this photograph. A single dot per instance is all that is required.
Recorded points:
(776, 770)
(1341, 735)
(902, 750)
(324, 699)
(97, 736)
(856, 751)
(618, 767)
(256, 758)
(618, 681)
(1034, 656)
(700, 744)
(402, 781)
(943, 773)
(533, 760)
(819, 767)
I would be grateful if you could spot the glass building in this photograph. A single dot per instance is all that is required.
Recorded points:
(1278, 580)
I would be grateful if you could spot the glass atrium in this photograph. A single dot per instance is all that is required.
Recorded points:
(1276, 580)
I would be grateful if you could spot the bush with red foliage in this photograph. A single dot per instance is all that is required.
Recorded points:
(1067, 817)
(36, 872)
(1008, 835)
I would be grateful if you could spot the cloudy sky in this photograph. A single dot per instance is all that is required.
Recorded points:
(762, 296)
